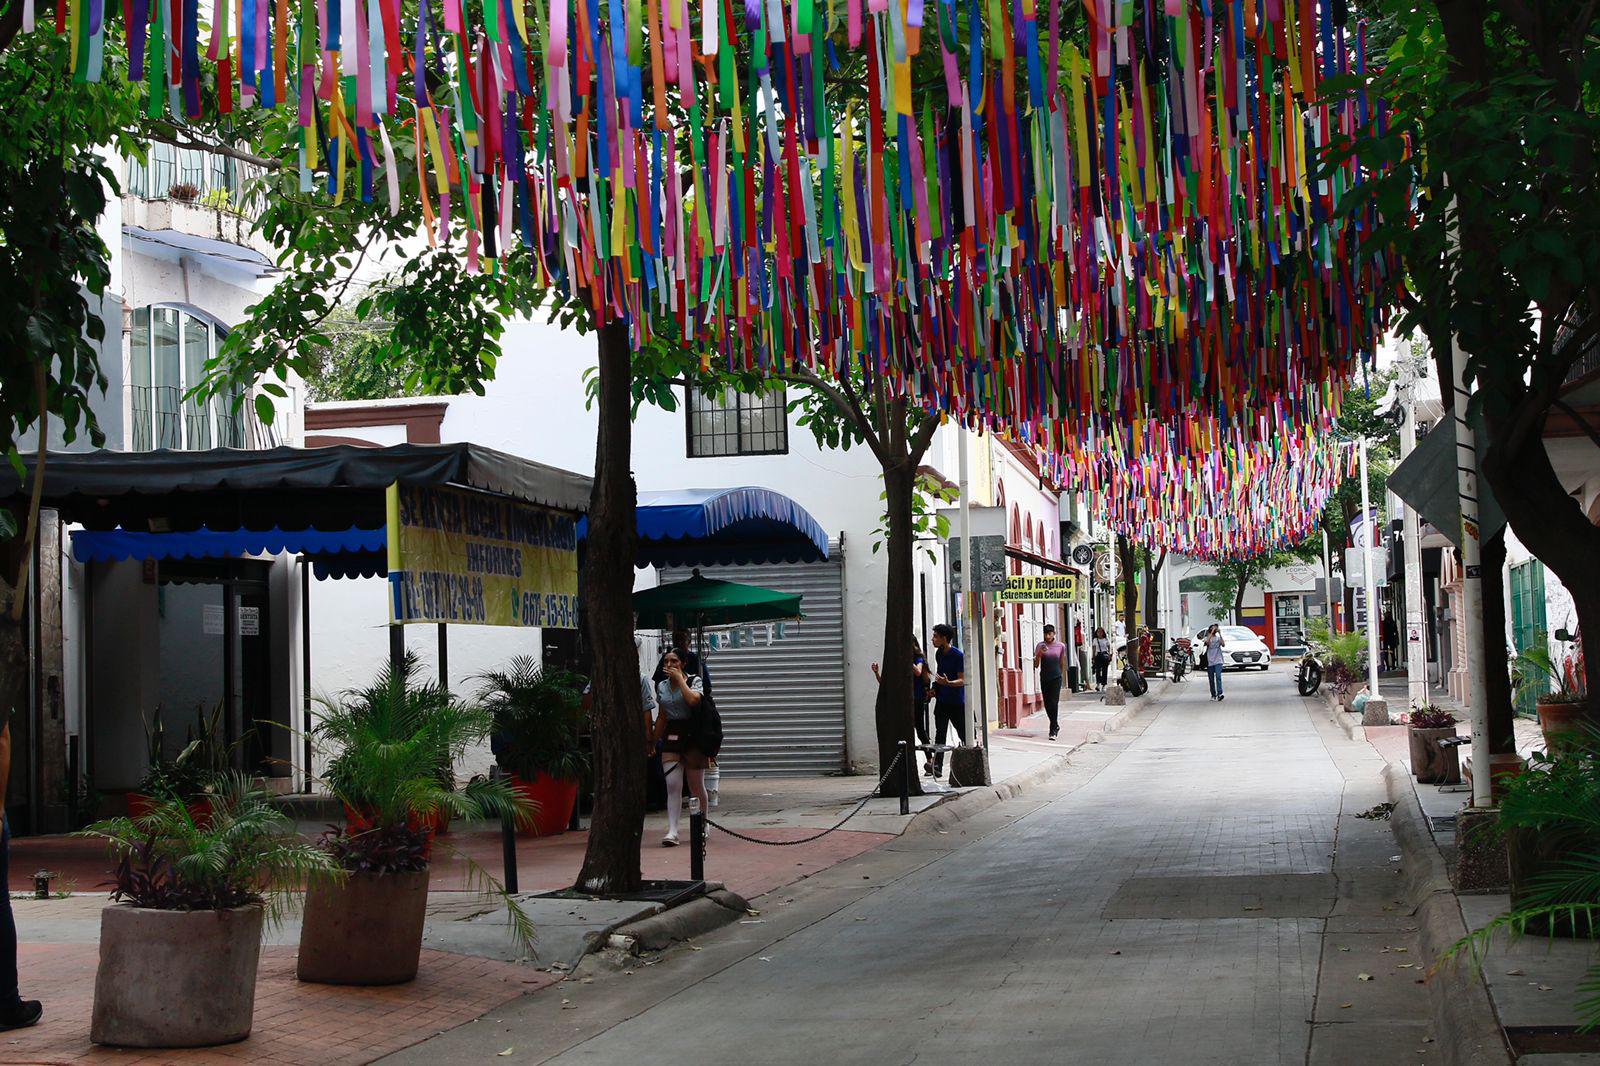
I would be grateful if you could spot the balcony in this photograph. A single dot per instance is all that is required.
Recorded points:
(160, 416)
(184, 201)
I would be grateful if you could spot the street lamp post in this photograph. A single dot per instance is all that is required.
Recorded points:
(1416, 654)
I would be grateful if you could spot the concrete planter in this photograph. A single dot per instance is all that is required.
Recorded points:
(366, 930)
(1558, 719)
(171, 979)
(1429, 762)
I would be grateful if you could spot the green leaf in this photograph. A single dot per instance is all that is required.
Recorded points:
(264, 409)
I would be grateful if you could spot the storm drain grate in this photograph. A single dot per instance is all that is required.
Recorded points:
(1442, 823)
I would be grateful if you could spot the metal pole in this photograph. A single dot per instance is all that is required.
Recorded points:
(305, 669)
(697, 842)
(1327, 582)
(1471, 576)
(1370, 588)
(905, 778)
(444, 656)
(1416, 654)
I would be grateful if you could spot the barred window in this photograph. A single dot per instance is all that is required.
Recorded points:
(737, 423)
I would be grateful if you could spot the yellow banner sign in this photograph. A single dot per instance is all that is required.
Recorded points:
(470, 557)
(1041, 588)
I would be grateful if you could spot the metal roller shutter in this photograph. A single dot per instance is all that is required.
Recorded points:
(782, 704)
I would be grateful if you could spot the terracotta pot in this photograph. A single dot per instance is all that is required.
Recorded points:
(365, 930)
(436, 824)
(1533, 853)
(140, 805)
(1558, 719)
(175, 978)
(553, 800)
(1429, 762)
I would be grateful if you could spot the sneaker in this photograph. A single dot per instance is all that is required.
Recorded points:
(25, 1013)
(1052, 736)
(927, 769)
(670, 840)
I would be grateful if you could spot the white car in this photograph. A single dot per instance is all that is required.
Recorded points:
(1242, 649)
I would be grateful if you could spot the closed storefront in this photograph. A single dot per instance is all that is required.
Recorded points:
(780, 686)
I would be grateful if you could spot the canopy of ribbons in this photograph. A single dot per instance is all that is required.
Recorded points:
(1054, 220)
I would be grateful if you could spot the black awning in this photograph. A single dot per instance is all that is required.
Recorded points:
(287, 488)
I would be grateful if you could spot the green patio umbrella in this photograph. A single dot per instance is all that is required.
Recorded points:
(702, 601)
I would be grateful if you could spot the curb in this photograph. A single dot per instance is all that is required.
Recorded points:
(953, 809)
(1464, 1017)
(703, 914)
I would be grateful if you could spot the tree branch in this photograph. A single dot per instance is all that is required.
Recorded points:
(921, 438)
(217, 148)
(844, 401)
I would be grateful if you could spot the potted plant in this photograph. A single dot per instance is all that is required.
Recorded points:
(178, 954)
(366, 929)
(538, 736)
(1425, 727)
(1559, 705)
(190, 776)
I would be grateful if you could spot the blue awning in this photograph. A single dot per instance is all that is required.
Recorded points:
(705, 527)
(89, 545)
(677, 527)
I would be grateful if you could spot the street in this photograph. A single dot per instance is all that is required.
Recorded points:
(1174, 896)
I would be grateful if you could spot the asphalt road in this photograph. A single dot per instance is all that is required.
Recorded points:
(1173, 898)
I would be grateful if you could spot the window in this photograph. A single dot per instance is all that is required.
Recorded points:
(737, 423)
(210, 179)
(169, 351)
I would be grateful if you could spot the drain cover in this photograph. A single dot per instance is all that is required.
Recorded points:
(1442, 823)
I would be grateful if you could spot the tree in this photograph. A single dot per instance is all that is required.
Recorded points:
(1237, 576)
(1152, 563)
(1490, 138)
(53, 271)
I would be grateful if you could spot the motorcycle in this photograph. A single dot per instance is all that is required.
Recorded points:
(1308, 678)
(1179, 656)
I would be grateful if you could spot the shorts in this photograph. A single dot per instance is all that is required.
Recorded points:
(678, 742)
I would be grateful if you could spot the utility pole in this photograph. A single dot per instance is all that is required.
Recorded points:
(1416, 654)
(1471, 576)
(1375, 700)
(1327, 582)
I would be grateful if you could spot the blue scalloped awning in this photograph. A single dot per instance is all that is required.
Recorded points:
(706, 527)
(89, 545)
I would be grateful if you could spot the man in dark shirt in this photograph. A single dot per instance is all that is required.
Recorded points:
(949, 691)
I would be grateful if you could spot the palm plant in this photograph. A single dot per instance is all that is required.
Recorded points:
(397, 742)
(1558, 798)
(1541, 676)
(245, 852)
(538, 719)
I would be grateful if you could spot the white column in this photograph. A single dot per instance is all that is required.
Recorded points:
(1416, 653)
(971, 628)
(1368, 525)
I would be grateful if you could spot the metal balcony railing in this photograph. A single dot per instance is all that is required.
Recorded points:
(1588, 359)
(162, 418)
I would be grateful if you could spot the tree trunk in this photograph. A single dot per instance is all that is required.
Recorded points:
(14, 673)
(1238, 596)
(1496, 666)
(1128, 569)
(611, 861)
(1556, 530)
(895, 713)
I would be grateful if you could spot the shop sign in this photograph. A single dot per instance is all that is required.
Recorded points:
(473, 558)
(1041, 588)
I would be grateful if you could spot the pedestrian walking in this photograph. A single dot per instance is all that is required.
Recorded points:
(1102, 657)
(678, 694)
(1074, 673)
(1048, 658)
(1389, 635)
(692, 664)
(919, 698)
(15, 1012)
(949, 691)
(1214, 646)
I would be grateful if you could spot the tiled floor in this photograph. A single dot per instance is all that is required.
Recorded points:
(295, 1024)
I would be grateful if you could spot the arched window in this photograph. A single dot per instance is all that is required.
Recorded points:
(169, 350)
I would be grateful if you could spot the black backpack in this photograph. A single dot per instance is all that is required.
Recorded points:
(707, 726)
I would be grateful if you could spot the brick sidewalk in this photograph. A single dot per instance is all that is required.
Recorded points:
(295, 1024)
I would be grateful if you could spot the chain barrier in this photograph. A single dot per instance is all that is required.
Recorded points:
(875, 793)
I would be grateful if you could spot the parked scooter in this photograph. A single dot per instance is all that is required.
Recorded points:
(1179, 656)
(1308, 678)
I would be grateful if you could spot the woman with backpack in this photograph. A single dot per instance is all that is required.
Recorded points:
(679, 694)
(1102, 657)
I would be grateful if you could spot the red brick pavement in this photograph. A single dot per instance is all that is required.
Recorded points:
(295, 1024)
(542, 863)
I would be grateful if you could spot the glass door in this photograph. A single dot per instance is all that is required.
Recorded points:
(1288, 621)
